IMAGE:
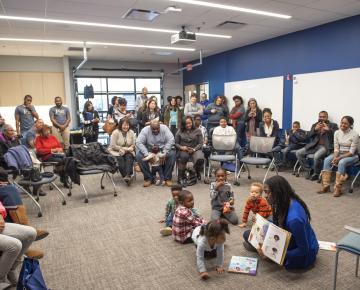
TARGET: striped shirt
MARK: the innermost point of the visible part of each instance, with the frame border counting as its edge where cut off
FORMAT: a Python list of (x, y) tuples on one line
[(259, 205)]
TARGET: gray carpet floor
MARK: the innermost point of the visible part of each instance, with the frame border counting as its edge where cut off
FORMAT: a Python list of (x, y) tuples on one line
[(114, 242)]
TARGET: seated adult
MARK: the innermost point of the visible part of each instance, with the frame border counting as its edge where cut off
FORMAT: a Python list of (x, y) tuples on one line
[(321, 144), (30, 136), (173, 116), (346, 141), (122, 146), (189, 142), (2, 123), (15, 239), (193, 107), (10, 197), (160, 136), (253, 117), (226, 130), (291, 213), (8, 139), (270, 128), (215, 112), (294, 140), (49, 149)]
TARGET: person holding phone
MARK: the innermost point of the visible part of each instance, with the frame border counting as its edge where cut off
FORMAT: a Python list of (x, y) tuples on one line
[(321, 144), (25, 116)]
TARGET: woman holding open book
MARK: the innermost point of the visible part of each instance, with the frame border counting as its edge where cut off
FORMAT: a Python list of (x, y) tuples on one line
[(291, 214)]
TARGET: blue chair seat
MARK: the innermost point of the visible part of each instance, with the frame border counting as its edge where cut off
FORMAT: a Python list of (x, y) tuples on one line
[(351, 242), (44, 180), (256, 160)]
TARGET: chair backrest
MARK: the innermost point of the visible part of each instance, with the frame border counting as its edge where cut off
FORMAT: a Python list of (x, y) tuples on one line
[(224, 142), (261, 144)]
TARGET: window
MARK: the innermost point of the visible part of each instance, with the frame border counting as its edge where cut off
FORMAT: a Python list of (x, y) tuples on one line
[(99, 84), (120, 85), (153, 85)]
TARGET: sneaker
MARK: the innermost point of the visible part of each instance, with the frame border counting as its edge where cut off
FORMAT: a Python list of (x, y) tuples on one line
[(166, 231), (158, 182), (314, 177)]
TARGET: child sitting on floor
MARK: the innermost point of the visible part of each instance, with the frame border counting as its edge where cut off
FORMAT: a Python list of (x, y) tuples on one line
[(255, 203), (209, 240), (222, 198), (170, 209), (185, 221)]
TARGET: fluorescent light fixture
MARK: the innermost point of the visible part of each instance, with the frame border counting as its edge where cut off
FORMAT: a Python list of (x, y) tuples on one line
[(96, 43), (104, 25), (233, 8)]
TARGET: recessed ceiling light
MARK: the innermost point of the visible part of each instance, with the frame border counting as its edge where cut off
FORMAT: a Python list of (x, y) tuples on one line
[(233, 8), (141, 14), (164, 53), (97, 43), (105, 25)]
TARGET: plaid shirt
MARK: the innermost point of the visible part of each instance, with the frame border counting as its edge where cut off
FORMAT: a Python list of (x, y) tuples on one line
[(184, 223)]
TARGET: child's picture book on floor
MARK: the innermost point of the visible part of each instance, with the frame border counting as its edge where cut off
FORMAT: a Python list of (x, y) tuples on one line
[(273, 240), (327, 246), (243, 265)]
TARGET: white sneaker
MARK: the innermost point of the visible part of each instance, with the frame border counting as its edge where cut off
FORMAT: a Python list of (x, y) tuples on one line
[(166, 231)]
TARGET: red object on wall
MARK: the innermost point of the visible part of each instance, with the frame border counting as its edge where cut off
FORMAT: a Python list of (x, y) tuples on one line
[(189, 67), (288, 77)]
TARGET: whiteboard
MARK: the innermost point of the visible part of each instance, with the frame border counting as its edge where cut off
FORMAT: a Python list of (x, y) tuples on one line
[(337, 92), (268, 92)]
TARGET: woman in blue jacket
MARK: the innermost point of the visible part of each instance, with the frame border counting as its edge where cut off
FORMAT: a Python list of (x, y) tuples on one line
[(292, 214)]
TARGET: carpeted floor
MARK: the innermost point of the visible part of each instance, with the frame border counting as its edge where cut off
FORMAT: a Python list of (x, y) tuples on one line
[(114, 242)]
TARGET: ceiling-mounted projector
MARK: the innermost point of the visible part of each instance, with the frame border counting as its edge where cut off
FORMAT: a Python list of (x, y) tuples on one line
[(183, 37)]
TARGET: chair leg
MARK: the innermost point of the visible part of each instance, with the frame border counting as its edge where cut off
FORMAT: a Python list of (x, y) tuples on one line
[(59, 190), (298, 172), (353, 182), (31, 197), (113, 183), (335, 269), (86, 193), (101, 182), (275, 167), (241, 167), (295, 166), (267, 171), (357, 266)]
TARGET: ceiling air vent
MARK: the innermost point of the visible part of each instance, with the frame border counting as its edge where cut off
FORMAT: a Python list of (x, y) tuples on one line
[(140, 14), (72, 48), (230, 25)]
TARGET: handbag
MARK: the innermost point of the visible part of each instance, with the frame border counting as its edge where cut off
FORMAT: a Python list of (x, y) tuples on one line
[(109, 126), (30, 277), (31, 174), (88, 131)]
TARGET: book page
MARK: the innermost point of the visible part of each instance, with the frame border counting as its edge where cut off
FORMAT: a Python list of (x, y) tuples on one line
[(275, 243), (328, 246), (258, 231)]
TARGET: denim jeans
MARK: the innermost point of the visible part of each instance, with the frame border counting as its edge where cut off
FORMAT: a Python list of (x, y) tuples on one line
[(319, 152), (167, 167), (343, 163)]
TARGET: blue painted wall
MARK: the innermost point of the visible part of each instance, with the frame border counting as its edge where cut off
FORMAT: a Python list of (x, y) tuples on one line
[(330, 46)]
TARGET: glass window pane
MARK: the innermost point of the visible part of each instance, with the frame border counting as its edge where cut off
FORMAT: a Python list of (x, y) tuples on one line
[(100, 102), (153, 85), (120, 85), (99, 84), (130, 98)]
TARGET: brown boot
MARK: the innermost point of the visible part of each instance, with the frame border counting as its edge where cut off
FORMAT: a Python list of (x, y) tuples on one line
[(19, 216), (325, 182), (340, 180), (34, 254)]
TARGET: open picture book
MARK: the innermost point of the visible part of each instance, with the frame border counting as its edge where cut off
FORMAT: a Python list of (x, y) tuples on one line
[(273, 240)]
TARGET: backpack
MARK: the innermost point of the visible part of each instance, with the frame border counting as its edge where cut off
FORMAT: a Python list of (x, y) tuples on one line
[(190, 177), (88, 92)]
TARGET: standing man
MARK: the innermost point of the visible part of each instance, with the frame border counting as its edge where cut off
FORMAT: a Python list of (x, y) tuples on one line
[(204, 102), (142, 99), (60, 118), (25, 115), (321, 144)]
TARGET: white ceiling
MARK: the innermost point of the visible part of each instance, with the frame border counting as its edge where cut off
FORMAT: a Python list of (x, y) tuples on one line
[(305, 14)]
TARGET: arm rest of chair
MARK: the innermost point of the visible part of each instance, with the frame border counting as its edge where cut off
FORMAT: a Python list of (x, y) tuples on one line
[(352, 229)]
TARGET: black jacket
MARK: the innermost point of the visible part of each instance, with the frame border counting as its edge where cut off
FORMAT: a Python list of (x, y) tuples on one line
[(315, 137), (275, 132), (258, 118)]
